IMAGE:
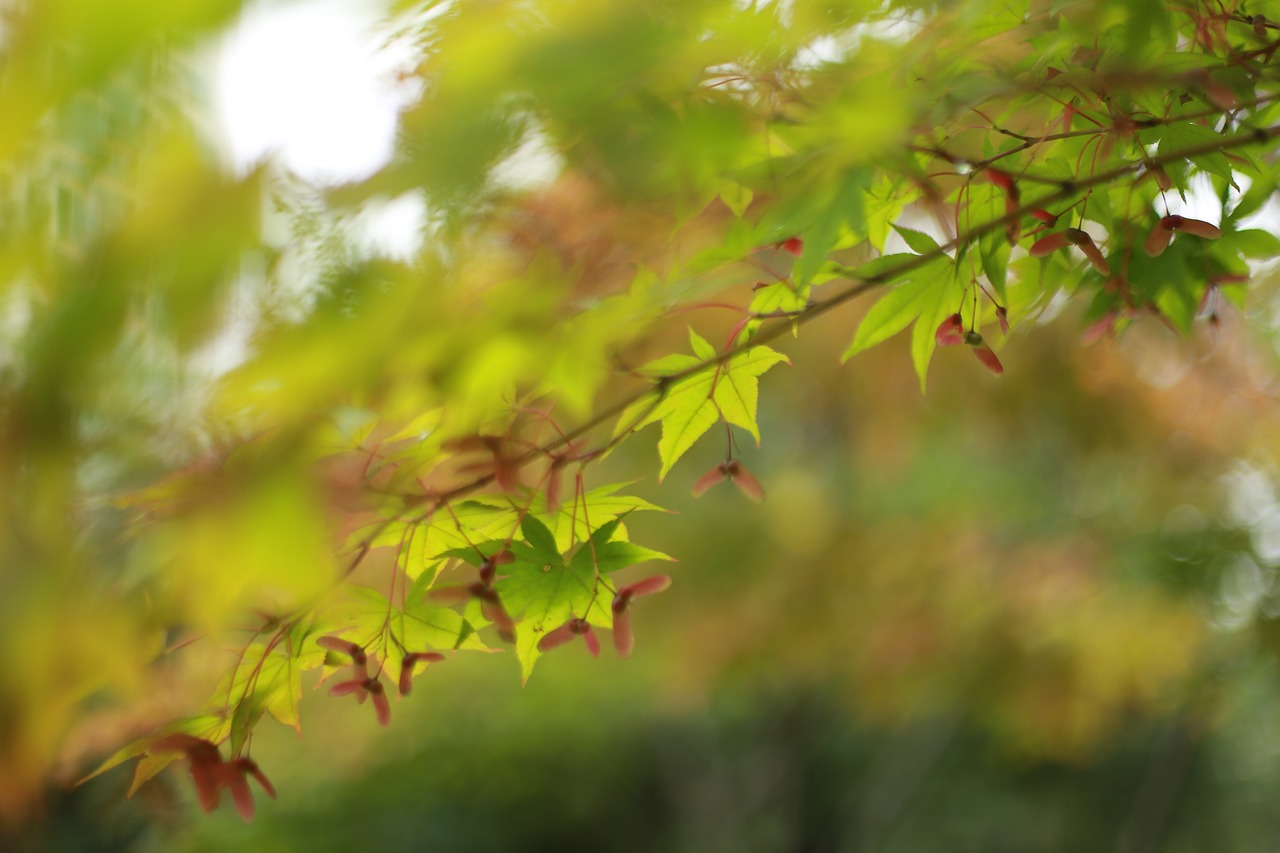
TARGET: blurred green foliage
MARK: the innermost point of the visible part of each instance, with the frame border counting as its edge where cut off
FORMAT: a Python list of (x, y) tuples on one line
[(1039, 613)]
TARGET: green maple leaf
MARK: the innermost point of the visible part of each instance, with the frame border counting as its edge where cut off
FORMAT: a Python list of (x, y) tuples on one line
[(692, 405), (927, 297), (542, 592), (606, 554), (570, 522)]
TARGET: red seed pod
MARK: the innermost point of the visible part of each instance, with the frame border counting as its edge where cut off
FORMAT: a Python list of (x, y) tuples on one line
[(553, 485), (557, 637), (346, 647), (451, 593), (744, 480), (713, 477), (410, 662), (1048, 245), (1014, 232), (1002, 317), (1200, 228), (1044, 216), (205, 766), (491, 608), (358, 686), (380, 703), (211, 774), (593, 644), (1084, 243), (566, 632), (240, 794), (406, 678), (734, 471), (648, 586), (624, 640), (984, 353), (1161, 177), (1001, 179), (1104, 327), (1260, 26), (794, 245), (951, 332), (1220, 95), (1159, 238), (250, 766)]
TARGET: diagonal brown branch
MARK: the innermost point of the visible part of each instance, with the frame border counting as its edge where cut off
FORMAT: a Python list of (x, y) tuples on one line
[(1065, 190)]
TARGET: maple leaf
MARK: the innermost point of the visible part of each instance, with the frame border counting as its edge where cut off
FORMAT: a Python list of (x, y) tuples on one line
[(692, 405)]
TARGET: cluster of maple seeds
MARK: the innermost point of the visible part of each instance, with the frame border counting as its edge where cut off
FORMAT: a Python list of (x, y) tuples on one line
[(952, 332), (1157, 241), (211, 773), (623, 639), (483, 591), (491, 608), (365, 686)]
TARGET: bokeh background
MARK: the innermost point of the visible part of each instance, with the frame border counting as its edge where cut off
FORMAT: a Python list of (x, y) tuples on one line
[(1033, 613)]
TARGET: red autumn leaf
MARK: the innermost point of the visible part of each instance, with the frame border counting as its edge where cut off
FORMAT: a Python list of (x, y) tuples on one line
[(744, 480), (951, 332)]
